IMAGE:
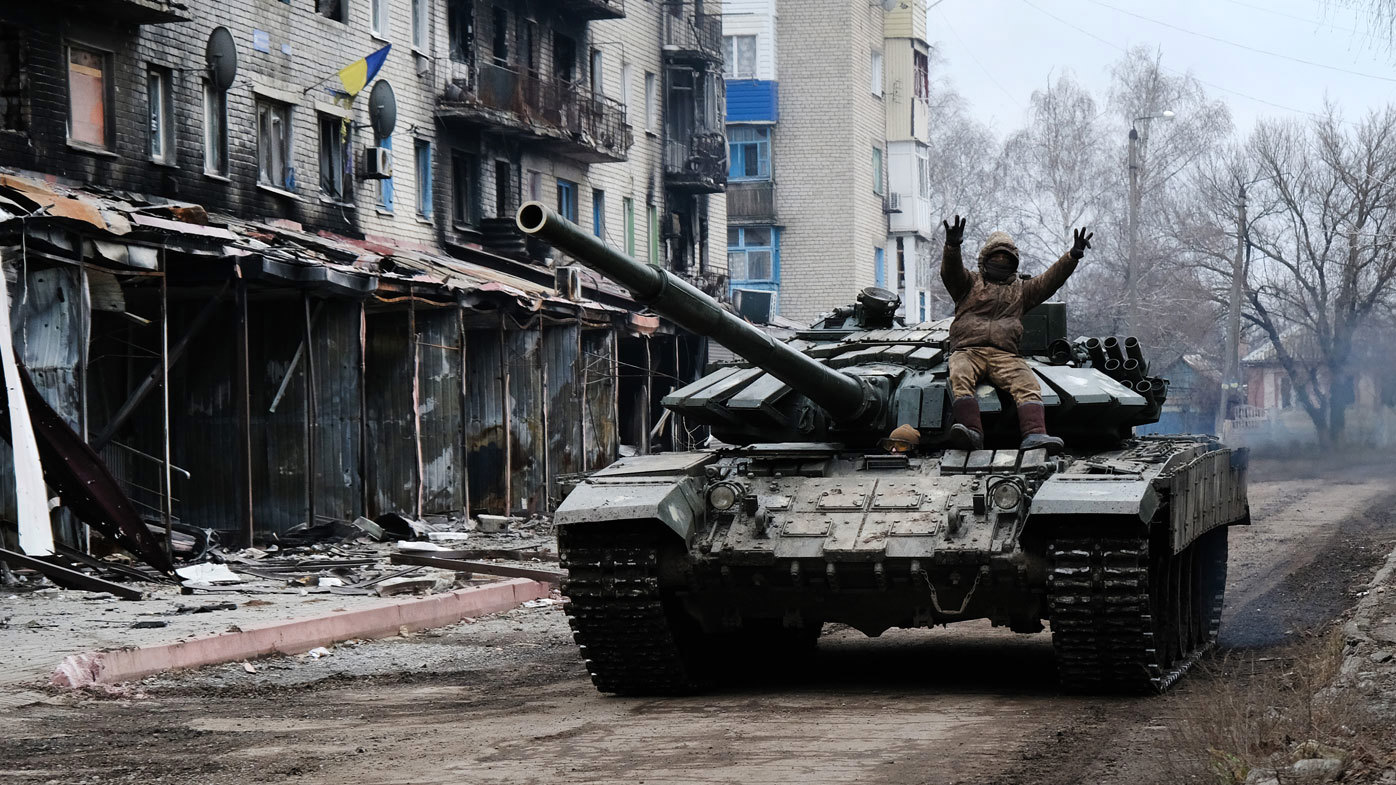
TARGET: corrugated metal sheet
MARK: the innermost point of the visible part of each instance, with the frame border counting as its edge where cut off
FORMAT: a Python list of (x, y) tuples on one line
[(562, 364), (486, 472), (527, 439), (439, 405), (279, 498), (391, 463), (600, 413), (207, 436), (752, 101), (338, 489)]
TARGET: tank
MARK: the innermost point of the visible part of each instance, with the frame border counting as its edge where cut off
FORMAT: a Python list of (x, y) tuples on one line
[(798, 517)]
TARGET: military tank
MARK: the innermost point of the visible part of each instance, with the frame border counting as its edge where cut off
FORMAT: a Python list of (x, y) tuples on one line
[(800, 518)]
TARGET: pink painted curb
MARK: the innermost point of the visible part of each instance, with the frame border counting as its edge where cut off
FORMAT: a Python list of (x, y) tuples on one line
[(293, 637)]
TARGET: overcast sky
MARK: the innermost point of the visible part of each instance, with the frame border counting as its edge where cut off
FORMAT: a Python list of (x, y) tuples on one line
[(998, 51)]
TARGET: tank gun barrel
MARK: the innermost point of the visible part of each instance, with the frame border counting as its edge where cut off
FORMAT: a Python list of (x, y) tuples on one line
[(845, 397)]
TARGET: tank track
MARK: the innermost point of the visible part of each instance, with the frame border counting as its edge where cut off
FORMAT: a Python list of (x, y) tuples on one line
[(619, 619), (1123, 621)]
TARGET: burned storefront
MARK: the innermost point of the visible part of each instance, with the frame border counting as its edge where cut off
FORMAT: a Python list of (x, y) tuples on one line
[(248, 378)]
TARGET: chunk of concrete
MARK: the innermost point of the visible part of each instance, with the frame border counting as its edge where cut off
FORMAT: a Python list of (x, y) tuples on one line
[(1317, 769)]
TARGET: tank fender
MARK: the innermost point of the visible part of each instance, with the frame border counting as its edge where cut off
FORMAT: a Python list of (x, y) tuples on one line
[(677, 501), (1095, 494)]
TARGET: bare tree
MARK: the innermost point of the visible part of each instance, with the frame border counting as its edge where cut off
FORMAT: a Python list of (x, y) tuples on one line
[(1322, 263)]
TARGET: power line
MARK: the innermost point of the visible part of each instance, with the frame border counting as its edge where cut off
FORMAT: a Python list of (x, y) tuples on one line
[(1212, 85), (1219, 40), (970, 51), (1305, 20)]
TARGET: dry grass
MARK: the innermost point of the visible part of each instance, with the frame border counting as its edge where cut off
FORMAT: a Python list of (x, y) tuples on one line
[(1261, 711)]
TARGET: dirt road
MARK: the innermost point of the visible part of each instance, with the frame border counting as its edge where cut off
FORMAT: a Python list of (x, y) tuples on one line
[(506, 700)]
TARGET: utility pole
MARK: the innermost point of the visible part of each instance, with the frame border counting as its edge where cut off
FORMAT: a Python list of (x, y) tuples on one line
[(1230, 380), (1131, 292)]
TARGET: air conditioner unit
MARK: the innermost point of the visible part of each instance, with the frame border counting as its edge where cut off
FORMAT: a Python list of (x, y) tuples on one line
[(378, 163), (568, 282), (756, 305)]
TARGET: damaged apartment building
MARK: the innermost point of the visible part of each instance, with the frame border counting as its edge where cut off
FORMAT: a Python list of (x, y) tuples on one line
[(261, 254)]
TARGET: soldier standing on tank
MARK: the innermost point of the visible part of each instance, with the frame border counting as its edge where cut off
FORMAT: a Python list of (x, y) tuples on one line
[(984, 336)]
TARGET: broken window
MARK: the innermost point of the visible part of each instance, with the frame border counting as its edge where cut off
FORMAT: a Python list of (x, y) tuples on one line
[(528, 46), (922, 65), (501, 36), (338, 10), (740, 62), (88, 82), (463, 189), (460, 22), (274, 144), (334, 160), (503, 187), (215, 130), (564, 58), (14, 79), (159, 112)]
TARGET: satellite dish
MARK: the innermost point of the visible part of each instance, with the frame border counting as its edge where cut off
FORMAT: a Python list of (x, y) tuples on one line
[(221, 55), (382, 108)]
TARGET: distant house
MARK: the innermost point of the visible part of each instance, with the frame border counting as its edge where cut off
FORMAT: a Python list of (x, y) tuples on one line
[(1194, 386)]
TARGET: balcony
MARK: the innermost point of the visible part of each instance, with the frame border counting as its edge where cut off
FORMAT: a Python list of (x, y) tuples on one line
[(691, 37), (909, 214), (560, 116), (751, 202), (594, 9), (698, 164), (140, 12)]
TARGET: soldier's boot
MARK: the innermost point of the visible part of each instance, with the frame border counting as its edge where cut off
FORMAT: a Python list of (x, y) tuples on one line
[(1032, 422), (968, 431)]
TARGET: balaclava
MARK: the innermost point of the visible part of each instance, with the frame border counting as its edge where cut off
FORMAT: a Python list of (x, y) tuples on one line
[(998, 259)]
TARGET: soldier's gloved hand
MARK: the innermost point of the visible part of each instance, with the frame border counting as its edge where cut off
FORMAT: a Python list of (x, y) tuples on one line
[(954, 232), (1081, 243)]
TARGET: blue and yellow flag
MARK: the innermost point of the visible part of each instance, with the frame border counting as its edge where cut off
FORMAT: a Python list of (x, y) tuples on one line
[(360, 72)]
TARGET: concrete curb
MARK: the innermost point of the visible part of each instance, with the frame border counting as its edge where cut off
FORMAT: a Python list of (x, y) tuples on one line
[(297, 636)]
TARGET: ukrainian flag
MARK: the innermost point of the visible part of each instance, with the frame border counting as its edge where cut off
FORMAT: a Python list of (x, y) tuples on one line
[(360, 72)]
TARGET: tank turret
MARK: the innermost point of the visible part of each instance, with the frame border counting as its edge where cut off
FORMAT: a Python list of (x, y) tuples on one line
[(857, 373)]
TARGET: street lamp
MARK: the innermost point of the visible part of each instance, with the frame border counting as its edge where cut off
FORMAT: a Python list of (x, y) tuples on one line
[(1131, 292)]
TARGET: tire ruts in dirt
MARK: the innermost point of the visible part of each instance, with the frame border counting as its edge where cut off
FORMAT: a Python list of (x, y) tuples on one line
[(1125, 622), (619, 620)]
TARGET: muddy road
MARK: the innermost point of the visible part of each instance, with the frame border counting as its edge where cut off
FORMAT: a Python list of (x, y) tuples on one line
[(506, 699)]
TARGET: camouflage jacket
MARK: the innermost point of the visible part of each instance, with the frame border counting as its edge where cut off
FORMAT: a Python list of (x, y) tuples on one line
[(990, 314)]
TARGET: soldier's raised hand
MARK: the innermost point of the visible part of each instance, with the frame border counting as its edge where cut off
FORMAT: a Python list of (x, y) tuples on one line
[(954, 232), (1081, 242)]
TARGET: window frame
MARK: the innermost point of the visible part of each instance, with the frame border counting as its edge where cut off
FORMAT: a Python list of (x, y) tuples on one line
[(164, 115), (653, 246), (386, 188), (107, 89), (880, 267), (651, 102), (286, 183), (627, 211), (339, 12), (379, 18), (598, 213), (19, 99), (771, 248), (421, 148), (421, 25), (215, 139), (465, 208), (499, 26), (738, 153), (878, 164), (335, 155), (732, 56), (567, 200), (877, 68)]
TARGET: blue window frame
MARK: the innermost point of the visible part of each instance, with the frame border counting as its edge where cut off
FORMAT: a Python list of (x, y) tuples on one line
[(749, 152), (753, 261), (423, 155), (598, 213), (880, 267), (567, 199)]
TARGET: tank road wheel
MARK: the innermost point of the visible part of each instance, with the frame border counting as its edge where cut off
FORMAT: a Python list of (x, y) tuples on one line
[(1130, 616), (633, 639)]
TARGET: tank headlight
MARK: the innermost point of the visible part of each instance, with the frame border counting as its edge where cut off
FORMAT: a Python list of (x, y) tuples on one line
[(723, 496), (1006, 495)]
